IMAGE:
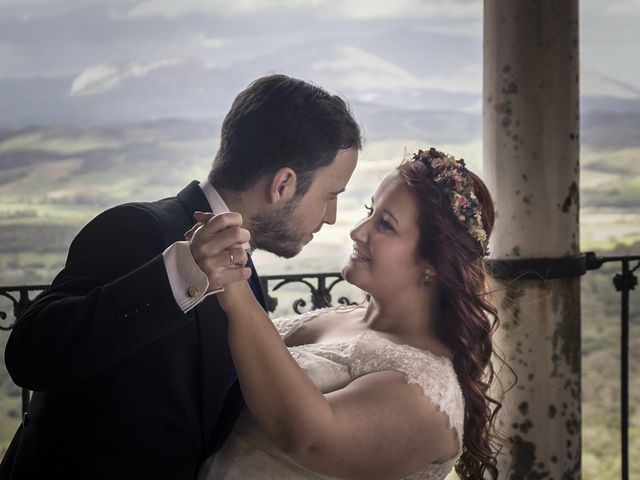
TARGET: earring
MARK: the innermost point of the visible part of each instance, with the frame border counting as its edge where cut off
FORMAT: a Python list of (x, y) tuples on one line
[(427, 277)]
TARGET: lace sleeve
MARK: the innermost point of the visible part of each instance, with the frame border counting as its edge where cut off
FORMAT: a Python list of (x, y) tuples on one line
[(434, 374), (443, 390)]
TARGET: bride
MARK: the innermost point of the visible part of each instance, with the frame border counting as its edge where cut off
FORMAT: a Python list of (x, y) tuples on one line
[(395, 388)]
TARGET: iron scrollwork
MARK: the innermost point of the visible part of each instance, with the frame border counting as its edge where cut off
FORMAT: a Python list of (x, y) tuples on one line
[(19, 297), (320, 293)]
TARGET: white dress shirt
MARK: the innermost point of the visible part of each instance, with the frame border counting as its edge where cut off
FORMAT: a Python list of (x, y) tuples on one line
[(188, 282)]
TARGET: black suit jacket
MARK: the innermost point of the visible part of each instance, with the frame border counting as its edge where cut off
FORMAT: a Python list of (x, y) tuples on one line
[(125, 384)]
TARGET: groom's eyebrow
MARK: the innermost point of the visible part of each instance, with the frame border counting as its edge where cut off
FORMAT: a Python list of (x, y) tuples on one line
[(337, 193)]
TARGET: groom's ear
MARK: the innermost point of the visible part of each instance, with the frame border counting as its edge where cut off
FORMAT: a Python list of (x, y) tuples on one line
[(283, 186)]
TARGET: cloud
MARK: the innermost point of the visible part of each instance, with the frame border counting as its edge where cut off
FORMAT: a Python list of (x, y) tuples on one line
[(357, 69), (211, 42), (171, 9), (361, 70), (33, 9), (11, 55), (623, 7), (598, 84), (106, 77), (353, 9), (373, 10)]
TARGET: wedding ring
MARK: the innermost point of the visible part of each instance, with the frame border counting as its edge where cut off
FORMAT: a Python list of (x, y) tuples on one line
[(230, 258)]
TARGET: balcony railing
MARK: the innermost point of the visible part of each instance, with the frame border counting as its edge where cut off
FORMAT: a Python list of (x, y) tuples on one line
[(624, 282), (320, 287)]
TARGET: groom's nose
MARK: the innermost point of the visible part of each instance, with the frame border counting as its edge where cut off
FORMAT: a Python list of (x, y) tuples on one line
[(330, 213)]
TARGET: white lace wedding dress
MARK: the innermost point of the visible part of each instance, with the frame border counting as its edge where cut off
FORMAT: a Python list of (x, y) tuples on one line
[(248, 455)]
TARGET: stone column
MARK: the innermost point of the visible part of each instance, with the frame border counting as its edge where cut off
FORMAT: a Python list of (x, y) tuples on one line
[(531, 163)]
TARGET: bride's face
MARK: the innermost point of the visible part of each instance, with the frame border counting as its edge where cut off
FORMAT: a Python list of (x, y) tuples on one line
[(385, 243)]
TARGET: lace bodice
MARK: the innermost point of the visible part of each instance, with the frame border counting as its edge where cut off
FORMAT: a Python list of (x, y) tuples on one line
[(247, 454)]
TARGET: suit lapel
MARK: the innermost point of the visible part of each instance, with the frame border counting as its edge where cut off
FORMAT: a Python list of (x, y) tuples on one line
[(193, 198)]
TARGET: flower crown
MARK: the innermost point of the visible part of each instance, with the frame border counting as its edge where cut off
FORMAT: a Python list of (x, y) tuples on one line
[(453, 180)]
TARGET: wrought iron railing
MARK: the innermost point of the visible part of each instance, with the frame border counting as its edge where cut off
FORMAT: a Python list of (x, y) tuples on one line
[(21, 297), (572, 267), (624, 283), (319, 285)]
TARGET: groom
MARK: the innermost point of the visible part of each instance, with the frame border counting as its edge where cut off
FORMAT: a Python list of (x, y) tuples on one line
[(127, 351)]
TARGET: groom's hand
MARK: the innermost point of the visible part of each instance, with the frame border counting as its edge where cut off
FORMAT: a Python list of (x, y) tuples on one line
[(215, 242)]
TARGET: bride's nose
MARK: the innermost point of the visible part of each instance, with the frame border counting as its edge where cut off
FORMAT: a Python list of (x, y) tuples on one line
[(359, 232)]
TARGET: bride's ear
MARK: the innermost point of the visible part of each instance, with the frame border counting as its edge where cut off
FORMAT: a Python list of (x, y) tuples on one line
[(282, 186)]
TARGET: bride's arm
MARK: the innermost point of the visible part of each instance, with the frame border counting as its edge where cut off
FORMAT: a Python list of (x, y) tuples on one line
[(378, 426)]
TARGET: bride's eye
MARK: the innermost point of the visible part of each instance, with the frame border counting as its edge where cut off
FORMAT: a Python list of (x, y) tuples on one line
[(385, 224), (369, 210)]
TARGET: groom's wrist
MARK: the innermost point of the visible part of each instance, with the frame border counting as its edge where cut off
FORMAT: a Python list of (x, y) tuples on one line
[(189, 284)]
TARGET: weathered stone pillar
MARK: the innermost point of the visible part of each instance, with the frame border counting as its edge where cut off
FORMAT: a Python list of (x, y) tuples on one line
[(531, 149)]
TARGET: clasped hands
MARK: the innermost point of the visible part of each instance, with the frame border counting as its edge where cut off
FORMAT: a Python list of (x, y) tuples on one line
[(216, 245)]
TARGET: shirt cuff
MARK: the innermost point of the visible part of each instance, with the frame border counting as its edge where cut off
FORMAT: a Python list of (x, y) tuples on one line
[(189, 284)]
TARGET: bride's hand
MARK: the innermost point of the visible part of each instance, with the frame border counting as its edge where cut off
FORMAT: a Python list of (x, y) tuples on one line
[(235, 295)]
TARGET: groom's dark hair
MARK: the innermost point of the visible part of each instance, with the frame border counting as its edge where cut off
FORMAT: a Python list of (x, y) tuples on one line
[(279, 121)]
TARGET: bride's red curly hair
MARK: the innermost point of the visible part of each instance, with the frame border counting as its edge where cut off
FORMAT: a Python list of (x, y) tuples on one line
[(467, 318)]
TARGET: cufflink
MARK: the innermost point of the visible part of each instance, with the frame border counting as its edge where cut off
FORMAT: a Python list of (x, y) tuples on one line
[(192, 291)]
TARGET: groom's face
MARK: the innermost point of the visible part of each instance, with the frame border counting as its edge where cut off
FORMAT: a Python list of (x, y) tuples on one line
[(285, 232)]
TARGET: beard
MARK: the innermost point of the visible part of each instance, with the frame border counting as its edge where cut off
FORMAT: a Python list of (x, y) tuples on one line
[(278, 232)]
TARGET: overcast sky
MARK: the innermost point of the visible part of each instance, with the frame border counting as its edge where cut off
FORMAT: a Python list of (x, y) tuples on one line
[(100, 45)]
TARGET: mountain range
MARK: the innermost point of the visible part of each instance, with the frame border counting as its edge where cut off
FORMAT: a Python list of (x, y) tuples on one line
[(412, 72)]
